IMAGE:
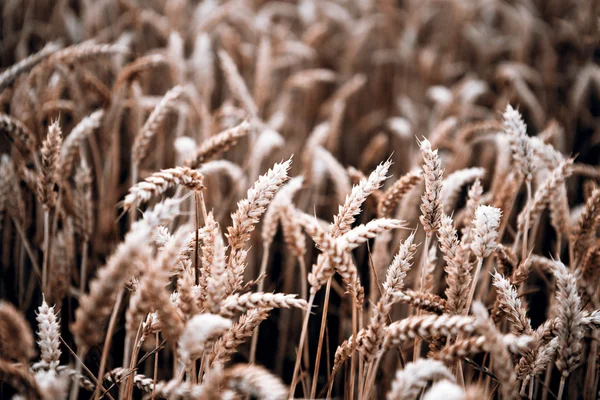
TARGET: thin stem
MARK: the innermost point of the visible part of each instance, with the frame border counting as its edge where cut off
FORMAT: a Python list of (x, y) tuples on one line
[(134, 179), (531, 387), (561, 388), (547, 380), (313, 390), (361, 362), (197, 244), (473, 285), (371, 374), (46, 251), (261, 286), (303, 278), (81, 352), (137, 344), (525, 243), (353, 360), (200, 195), (109, 334), (558, 248), (155, 375), (301, 345), (422, 268), (28, 248), (84, 262)]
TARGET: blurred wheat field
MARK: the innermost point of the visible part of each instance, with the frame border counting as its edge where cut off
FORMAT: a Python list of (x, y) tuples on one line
[(349, 199)]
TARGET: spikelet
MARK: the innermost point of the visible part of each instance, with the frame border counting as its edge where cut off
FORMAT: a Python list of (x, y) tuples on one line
[(9, 183), (96, 306), (374, 334), (8, 76), (152, 124), (217, 280), (415, 377), (259, 300), (251, 209), (370, 230), (427, 326), (152, 293), (255, 381), (19, 134), (334, 169), (422, 300), (262, 76), (501, 360), (159, 182), (454, 182), (485, 231), (543, 194), (461, 349), (587, 224), (569, 329), (396, 273), (292, 231), (281, 201), (428, 271), (235, 270), (237, 335), (523, 154), (198, 333), (546, 346), (342, 222), (431, 207), (236, 84), (48, 335), (218, 144), (20, 378), (49, 174), (334, 258), (136, 67), (346, 349), (16, 338), (52, 384), (84, 51), (445, 390), (187, 302), (458, 268), (473, 201), (82, 202), (75, 139), (511, 305), (267, 142)]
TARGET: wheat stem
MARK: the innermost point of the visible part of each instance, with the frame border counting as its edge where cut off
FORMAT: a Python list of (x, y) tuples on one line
[(321, 336), (109, 335), (422, 272), (301, 346), (561, 388), (81, 352), (84, 262), (353, 360), (473, 284), (261, 286), (46, 252)]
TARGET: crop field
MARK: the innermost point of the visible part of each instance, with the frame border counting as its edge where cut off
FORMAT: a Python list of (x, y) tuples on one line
[(311, 199)]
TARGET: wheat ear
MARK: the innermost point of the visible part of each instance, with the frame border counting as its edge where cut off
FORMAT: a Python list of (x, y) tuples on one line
[(16, 338), (152, 124), (415, 377), (218, 144), (159, 182)]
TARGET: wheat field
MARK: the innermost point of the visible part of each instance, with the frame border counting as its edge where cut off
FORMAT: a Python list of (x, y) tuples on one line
[(345, 199)]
